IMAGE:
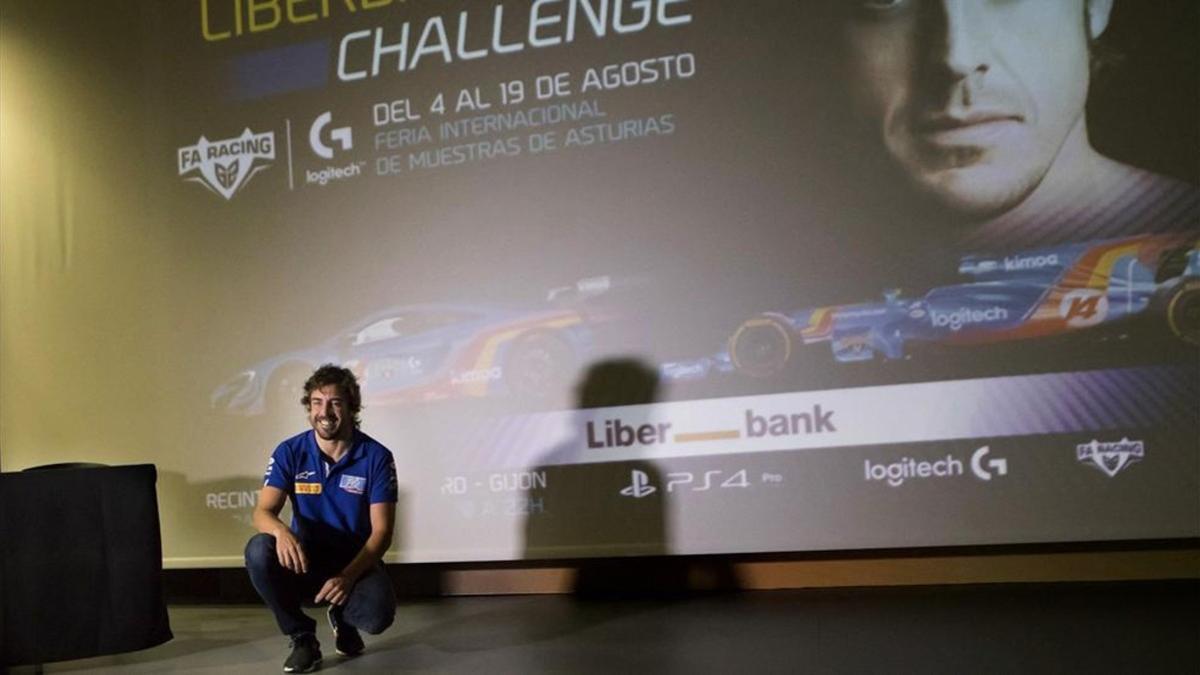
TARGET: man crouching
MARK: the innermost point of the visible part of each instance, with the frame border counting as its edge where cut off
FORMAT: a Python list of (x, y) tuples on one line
[(342, 484)]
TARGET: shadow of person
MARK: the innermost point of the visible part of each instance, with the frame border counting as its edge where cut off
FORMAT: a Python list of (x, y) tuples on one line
[(611, 517)]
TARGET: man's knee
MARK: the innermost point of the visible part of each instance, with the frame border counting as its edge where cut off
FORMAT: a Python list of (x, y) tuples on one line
[(376, 603), (377, 621), (260, 551)]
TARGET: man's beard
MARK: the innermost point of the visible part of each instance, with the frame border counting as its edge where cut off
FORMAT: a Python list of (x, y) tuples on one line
[(328, 431)]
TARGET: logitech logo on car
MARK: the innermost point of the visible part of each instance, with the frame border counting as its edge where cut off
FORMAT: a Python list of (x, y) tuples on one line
[(1018, 263), (681, 370), (477, 375), (395, 367), (964, 316)]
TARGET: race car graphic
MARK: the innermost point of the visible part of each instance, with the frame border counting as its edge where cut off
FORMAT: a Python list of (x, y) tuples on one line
[(431, 352), (1039, 293)]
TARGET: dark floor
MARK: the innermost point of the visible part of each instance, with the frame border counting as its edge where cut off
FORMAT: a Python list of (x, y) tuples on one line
[(1075, 628)]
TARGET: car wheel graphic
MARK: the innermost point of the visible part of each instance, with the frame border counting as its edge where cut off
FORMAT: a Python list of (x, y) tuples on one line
[(762, 346), (538, 366), (1183, 311)]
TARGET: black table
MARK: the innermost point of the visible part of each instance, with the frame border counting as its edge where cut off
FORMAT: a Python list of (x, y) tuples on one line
[(82, 565)]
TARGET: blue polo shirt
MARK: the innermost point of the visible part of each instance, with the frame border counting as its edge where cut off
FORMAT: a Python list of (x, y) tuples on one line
[(333, 501)]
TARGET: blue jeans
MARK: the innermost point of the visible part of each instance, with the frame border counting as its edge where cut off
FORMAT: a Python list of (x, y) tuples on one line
[(371, 606)]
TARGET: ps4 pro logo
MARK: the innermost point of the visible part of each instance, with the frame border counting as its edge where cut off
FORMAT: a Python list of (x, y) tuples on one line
[(641, 486)]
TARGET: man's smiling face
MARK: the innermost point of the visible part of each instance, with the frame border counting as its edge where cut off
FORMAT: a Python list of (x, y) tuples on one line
[(328, 413)]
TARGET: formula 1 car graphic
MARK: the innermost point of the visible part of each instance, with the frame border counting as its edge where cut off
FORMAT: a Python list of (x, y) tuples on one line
[(1038, 293), (432, 352)]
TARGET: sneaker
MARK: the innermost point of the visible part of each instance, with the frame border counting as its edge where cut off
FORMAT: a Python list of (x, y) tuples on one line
[(346, 639), (306, 654)]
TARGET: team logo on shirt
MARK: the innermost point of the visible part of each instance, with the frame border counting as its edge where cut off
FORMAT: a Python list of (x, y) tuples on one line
[(308, 488), (355, 485)]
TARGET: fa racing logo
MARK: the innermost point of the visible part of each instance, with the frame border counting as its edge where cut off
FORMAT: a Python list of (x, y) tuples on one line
[(1111, 457), (225, 166)]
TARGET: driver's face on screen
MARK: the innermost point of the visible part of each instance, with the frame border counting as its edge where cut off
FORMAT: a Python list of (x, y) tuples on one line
[(973, 99)]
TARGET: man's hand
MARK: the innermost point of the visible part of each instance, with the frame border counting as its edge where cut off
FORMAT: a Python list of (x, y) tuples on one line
[(336, 590), (290, 553)]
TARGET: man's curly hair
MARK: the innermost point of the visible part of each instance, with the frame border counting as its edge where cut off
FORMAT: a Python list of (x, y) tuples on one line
[(344, 379)]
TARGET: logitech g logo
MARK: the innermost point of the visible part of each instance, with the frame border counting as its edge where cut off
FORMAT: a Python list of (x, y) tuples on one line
[(639, 485), (341, 136), (997, 467)]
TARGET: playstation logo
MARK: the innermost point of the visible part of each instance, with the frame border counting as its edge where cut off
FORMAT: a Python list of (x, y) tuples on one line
[(997, 467), (639, 485), (341, 136)]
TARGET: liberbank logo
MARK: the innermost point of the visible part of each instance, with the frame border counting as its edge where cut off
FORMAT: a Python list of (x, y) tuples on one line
[(225, 166)]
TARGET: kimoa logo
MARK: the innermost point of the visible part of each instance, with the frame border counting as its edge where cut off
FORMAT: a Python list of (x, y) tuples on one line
[(1016, 263), (225, 166)]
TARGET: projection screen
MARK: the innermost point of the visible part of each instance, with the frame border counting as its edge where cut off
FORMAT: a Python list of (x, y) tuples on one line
[(642, 277)]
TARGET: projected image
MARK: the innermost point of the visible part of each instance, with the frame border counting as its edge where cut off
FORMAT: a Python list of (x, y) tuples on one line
[(427, 353), (1051, 292), (974, 119), (433, 352), (855, 274)]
